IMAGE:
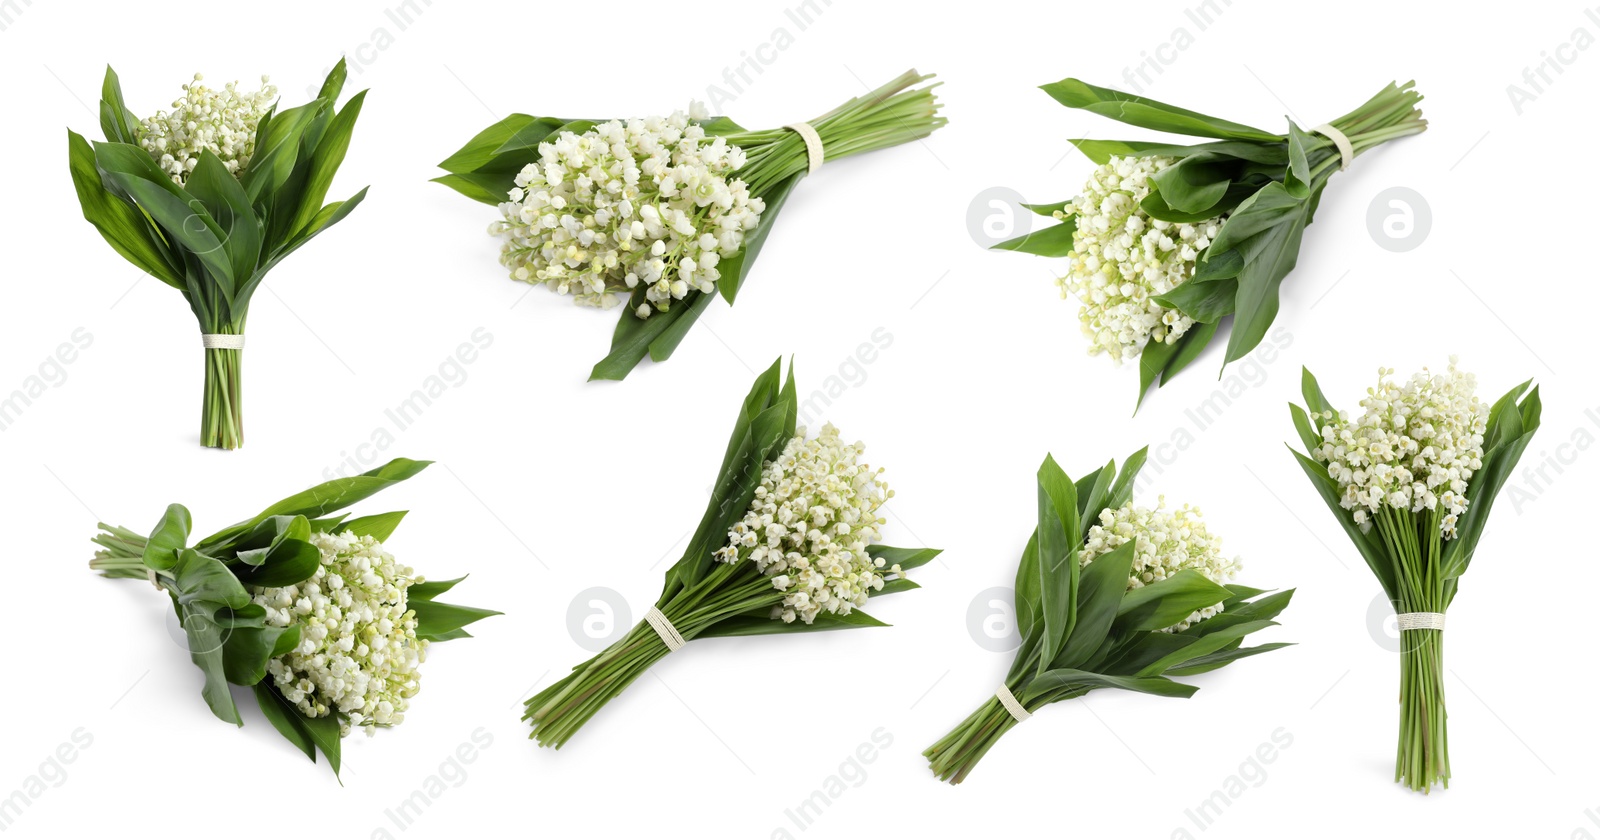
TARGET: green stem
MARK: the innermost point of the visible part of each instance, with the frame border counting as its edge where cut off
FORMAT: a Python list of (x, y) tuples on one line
[(559, 711), (221, 411)]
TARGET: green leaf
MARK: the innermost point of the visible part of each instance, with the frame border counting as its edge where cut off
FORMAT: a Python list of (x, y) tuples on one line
[(1101, 585), (284, 718), (325, 161), (1058, 541), (1102, 151), (1052, 241), (170, 536), (202, 579), (429, 590), (324, 732), (1368, 544), (1194, 185), (1266, 230), (333, 83), (1297, 181), (484, 187), (735, 268), (1027, 600), (1204, 646), (761, 624), (285, 564), (1212, 662), (131, 172), (484, 146), (1122, 488), (1061, 678), (1190, 346), (118, 123), (120, 222), (378, 526), (247, 650), (278, 149), (225, 201), (325, 498), (905, 558), (1148, 113), (435, 619), (1166, 602)]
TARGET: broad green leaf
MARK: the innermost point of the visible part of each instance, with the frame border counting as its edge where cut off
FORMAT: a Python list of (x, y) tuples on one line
[(121, 223), (905, 558), (1149, 113), (1205, 645), (118, 123), (285, 719), (325, 162), (484, 146), (199, 579), (1052, 241), (1195, 184), (285, 564), (435, 619), (761, 624), (225, 201), (247, 650), (131, 172), (735, 268), (170, 536), (324, 732), (1062, 678), (1101, 585), (378, 526), (1213, 661), (1372, 550), (1266, 230), (429, 590), (1058, 540), (326, 498), (1166, 602)]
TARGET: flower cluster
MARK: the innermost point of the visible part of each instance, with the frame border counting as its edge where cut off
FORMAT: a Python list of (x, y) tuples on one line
[(358, 651), (808, 528), (1121, 259), (222, 122), (1414, 448), (1165, 542), (647, 201)]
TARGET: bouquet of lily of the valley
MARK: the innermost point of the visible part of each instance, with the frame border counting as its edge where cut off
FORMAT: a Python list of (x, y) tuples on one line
[(208, 197), (788, 544), (1111, 595), (1412, 481), (663, 212), (302, 604), (1167, 240)]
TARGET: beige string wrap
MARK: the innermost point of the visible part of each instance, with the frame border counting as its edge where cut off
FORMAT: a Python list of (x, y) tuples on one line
[(1346, 151), (1009, 700), (813, 144), (669, 634), (1421, 621), (215, 341)]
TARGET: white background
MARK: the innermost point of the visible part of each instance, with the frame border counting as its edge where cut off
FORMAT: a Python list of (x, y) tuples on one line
[(547, 486)]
